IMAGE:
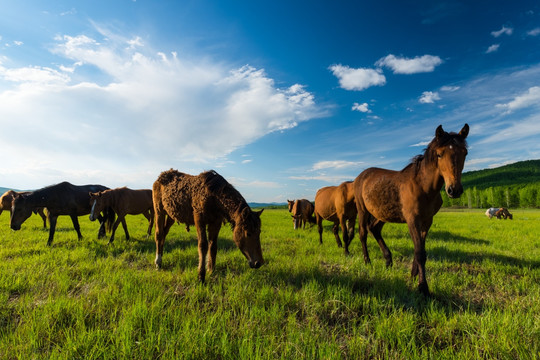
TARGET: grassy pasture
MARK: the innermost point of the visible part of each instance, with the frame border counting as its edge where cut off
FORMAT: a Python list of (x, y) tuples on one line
[(87, 300)]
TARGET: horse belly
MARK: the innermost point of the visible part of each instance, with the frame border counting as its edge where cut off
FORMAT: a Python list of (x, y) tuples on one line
[(383, 201)]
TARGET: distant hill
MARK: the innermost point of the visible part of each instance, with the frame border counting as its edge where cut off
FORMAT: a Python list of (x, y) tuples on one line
[(519, 173), (267, 205), (3, 190)]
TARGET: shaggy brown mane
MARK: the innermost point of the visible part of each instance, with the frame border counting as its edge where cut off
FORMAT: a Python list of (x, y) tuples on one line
[(430, 155)]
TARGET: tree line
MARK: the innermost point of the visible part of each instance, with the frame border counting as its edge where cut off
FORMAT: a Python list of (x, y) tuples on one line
[(513, 196)]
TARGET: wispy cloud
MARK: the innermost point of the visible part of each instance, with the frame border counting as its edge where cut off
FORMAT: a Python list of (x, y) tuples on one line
[(357, 79), (493, 48), (336, 164), (364, 107), (429, 97), (534, 32), (504, 30), (401, 65), (527, 99)]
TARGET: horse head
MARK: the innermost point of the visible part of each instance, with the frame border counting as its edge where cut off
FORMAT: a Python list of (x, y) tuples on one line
[(290, 203), (96, 203), (247, 236), (450, 150), (20, 211)]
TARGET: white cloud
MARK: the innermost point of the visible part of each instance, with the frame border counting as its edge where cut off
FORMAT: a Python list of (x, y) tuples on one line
[(419, 64), (116, 108), (493, 48), (18, 43), (429, 97), (504, 30), (534, 32), (361, 107), (450, 88), (336, 164), (527, 99), (357, 79)]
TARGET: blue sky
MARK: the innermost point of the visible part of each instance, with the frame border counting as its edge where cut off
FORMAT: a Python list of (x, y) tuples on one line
[(281, 98)]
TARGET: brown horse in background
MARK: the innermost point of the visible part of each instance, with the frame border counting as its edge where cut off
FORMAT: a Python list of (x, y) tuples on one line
[(124, 202), (59, 199), (411, 195), (205, 200), (302, 212), (290, 204), (6, 201), (503, 213), (336, 204)]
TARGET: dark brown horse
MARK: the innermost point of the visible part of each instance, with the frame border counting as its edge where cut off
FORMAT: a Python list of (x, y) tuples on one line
[(503, 213), (123, 201), (6, 201), (59, 199), (205, 201), (336, 204), (302, 212), (411, 195)]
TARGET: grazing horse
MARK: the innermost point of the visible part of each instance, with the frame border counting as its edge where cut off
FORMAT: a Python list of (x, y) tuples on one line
[(6, 201), (290, 204), (503, 213), (336, 204), (411, 195), (59, 199), (302, 212), (123, 201), (205, 200)]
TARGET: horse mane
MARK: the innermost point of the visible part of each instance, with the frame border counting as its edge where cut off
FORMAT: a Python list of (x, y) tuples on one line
[(221, 188), (430, 154)]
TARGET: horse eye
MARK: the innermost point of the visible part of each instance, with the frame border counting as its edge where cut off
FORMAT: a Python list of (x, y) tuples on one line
[(439, 155)]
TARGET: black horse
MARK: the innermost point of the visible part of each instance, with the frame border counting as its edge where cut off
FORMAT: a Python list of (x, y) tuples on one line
[(60, 199)]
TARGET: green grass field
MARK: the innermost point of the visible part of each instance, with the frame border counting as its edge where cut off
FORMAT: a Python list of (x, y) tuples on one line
[(89, 300)]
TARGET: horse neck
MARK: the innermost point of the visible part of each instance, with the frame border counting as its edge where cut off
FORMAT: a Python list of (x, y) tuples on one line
[(37, 198), (233, 203), (429, 177)]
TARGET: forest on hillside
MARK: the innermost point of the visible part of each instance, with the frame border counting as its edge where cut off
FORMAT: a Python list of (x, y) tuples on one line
[(513, 186)]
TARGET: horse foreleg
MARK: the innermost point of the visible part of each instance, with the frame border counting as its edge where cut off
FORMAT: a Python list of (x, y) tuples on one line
[(75, 221), (213, 232), (202, 246), (43, 217), (375, 228), (161, 233), (418, 234), (52, 224)]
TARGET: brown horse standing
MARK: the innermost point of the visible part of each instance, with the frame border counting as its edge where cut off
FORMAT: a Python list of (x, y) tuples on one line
[(302, 212), (124, 202), (6, 201), (205, 201), (336, 204), (290, 204), (411, 195)]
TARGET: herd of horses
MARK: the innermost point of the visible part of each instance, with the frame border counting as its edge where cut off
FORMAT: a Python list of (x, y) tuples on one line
[(206, 201)]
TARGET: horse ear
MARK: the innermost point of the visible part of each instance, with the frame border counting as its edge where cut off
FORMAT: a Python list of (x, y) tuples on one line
[(439, 132), (465, 131), (258, 213)]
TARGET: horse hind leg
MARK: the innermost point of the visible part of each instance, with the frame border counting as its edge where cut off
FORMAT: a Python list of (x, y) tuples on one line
[(335, 230), (375, 229)]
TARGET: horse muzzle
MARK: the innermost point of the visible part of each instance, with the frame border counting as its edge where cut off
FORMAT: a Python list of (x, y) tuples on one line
[(15, 227), (255, 264), (454, 191)]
